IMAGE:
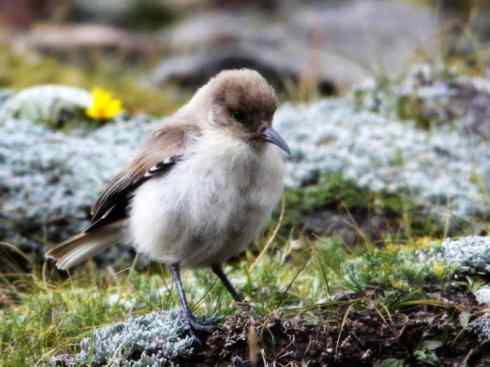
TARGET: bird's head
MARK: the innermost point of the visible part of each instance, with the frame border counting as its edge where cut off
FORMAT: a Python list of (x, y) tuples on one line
[(242, 103)]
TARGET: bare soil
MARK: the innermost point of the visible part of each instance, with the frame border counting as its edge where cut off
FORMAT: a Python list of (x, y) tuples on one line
[(419, 335)]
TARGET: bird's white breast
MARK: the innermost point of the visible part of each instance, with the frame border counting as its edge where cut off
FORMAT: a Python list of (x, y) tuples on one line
[(210, 206)]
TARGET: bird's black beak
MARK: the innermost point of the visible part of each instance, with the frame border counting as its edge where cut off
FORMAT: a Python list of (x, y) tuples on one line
[(272, 136)]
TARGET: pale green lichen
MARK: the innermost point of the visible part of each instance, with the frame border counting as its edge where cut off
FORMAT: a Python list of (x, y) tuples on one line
[(467, 254), (49, 104), (149, 340), (438, 168)]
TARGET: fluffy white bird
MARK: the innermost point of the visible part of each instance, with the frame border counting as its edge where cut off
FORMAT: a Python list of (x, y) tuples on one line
[(201, 188)]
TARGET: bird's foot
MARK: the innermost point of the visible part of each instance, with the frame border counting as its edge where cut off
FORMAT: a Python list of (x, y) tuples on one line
[(201, 326), (199, 329)]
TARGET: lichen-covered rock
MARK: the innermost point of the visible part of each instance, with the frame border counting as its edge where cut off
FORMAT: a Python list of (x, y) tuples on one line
[(470, 254), (482, 295), (442, 170), (49, 180), (466, 254), (481, 326), (4, 95), (46, 103), (432, 96), (149, 340)]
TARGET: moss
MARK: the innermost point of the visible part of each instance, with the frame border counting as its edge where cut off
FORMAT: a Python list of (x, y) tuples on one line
[(411, 108), (396, 268), (329, 191), (332, 192)]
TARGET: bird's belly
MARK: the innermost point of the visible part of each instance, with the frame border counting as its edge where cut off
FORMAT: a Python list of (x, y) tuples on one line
[(236, 232), (201, 222)]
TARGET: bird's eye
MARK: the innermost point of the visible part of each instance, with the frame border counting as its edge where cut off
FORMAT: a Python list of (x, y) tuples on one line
[(239, 116)]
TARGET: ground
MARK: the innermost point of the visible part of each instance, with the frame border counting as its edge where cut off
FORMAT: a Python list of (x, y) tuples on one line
[(320, 306)]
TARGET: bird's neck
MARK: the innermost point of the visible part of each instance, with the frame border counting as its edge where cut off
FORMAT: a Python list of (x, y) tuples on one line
[(219, 145)]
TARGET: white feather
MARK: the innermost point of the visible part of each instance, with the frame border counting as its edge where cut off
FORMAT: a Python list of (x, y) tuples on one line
[(211, 205)]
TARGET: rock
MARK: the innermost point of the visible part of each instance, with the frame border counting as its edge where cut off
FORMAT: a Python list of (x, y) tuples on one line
[(46, 103), (333, 224), (435, 169), (133, 14), (154, 339), (349, 228), (482, 295), (199, 49), (381, 35), (481, 326), (4, 95), (49, 180), (466, 255), (334, 45), (433, 96), (199, 31), (76, 42), (276, 65)]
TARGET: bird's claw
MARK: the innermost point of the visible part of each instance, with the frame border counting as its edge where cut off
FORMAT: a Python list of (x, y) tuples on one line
[(198, 329), (205, 327)]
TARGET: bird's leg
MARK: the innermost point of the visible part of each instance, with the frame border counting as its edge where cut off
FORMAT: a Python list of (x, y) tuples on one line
[(194, 324), (218, 270)]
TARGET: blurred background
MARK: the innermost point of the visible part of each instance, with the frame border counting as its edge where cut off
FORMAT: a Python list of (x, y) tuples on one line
[(159, 48)]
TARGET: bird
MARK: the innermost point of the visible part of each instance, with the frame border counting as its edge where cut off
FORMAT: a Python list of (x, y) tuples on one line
[(199, 190)]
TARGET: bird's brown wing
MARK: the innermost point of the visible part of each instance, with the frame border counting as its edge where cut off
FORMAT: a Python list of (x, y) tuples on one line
[(161, 152)]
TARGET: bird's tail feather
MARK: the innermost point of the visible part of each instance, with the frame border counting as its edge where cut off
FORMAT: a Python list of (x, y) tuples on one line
[(83, 246)]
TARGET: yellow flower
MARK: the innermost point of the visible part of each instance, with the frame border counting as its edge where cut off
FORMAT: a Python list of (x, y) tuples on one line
[(104, 106), (438, 268), (398, 284)]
